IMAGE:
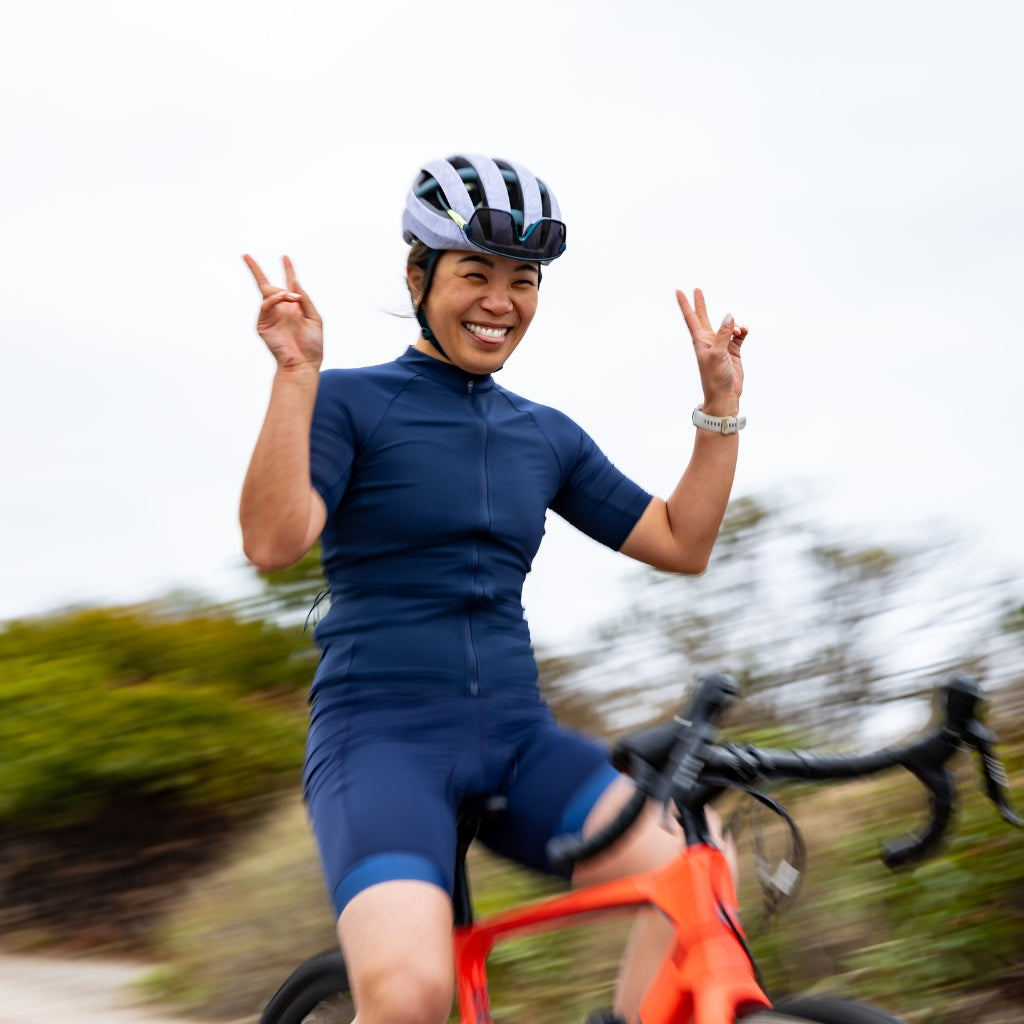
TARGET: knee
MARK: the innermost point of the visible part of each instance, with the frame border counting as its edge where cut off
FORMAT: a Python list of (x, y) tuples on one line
[(405, 994)]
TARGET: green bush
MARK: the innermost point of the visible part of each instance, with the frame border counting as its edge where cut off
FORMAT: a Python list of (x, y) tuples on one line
[(202, 645), (199, 710)]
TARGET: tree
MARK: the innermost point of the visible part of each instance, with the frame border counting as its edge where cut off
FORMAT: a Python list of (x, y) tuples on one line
[(814, 625)]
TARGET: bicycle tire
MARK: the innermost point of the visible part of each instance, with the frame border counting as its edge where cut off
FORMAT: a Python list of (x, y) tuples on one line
[(316, 992), (820, 1010)]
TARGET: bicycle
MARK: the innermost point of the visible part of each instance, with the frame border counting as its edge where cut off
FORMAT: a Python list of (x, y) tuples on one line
[(709, 976)]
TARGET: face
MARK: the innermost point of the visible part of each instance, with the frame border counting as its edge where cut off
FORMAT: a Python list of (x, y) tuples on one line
[(479, 307)]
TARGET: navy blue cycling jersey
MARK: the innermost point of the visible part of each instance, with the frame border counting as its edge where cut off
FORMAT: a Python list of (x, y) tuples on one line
[(436, 484)]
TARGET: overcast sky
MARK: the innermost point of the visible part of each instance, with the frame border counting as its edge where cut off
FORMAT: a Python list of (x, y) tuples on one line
[(845, 179)]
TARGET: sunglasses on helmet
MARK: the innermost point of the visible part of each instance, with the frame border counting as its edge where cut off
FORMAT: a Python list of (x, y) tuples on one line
[(498, 231)]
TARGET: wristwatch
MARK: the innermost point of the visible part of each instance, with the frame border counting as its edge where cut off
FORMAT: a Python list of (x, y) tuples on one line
[(717, 424)]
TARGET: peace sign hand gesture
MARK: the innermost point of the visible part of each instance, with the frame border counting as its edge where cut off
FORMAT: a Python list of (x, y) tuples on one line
[(718, 355), (288, 322)]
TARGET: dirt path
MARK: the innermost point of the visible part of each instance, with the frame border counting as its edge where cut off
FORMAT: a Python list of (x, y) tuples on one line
[(43, 990)]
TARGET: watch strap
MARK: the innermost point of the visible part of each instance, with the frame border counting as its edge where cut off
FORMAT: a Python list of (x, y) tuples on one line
[(717, 424)]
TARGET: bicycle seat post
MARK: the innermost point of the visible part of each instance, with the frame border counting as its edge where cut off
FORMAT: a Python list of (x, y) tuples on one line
[(470, 818)]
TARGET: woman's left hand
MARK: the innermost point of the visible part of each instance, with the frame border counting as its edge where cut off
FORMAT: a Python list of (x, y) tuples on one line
[(718, 355)]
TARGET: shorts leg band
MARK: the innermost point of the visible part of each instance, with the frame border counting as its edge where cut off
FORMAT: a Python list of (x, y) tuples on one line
[(583, 800), (387, 867)]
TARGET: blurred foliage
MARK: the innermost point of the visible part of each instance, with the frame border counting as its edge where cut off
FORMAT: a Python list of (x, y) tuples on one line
[(293, 593), (1013, 621), (200, 707), (815, 627), (941, 942)]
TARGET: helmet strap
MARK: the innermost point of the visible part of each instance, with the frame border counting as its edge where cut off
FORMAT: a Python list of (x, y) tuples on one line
[(421, 316)]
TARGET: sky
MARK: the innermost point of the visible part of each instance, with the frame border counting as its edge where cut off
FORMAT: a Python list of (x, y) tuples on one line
[(844, 179)]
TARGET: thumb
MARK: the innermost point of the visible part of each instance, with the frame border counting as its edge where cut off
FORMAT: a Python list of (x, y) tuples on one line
[(725, 331)]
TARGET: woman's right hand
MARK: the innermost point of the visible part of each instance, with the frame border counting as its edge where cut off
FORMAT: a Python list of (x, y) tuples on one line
[(288, 322)]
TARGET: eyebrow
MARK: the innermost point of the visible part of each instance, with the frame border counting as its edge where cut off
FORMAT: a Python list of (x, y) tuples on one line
[(473, 257)]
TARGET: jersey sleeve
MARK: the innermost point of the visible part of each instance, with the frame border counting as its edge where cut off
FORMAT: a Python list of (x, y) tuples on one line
[(331, 440), (597, 497)]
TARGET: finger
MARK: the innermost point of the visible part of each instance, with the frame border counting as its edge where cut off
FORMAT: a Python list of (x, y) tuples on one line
[(702, 309), (308, 309), (289, 274), (725, 332), (257, 273), (692, 322), (278, 297)]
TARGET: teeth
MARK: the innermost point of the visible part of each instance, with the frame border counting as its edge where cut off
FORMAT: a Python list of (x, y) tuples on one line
[(496, 333)]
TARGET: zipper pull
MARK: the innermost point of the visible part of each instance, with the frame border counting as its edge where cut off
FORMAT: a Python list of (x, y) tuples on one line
[(469, 386)]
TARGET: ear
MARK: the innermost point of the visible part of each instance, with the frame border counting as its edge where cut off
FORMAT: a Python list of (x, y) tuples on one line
[(414, 278)]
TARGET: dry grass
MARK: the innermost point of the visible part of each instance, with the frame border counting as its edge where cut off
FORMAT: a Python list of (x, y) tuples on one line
[(239, 931)]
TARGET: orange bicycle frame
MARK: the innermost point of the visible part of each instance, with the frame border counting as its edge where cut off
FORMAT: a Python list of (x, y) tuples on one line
[(706, 976)]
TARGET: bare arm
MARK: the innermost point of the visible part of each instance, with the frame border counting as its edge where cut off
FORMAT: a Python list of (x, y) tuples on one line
[(678, 535), (280, 512)]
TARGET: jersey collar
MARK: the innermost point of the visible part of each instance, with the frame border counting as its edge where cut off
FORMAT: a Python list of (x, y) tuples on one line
[(445, 373)]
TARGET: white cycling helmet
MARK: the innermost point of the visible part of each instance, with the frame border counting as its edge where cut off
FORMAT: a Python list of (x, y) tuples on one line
[(474, 203)]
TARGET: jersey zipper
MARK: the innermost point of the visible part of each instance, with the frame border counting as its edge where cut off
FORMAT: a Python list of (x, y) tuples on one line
[(474, 662)]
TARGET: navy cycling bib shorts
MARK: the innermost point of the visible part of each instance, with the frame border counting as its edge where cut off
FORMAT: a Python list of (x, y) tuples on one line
[(387, 771), (437, 484)]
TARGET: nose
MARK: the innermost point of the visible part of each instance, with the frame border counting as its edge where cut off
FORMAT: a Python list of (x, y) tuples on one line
[(498, 298)]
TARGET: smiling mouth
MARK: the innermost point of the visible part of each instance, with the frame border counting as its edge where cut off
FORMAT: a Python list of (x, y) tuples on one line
[(487, 333)]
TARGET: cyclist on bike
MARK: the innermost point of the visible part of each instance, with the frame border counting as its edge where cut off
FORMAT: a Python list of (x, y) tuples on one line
[(428, 484)]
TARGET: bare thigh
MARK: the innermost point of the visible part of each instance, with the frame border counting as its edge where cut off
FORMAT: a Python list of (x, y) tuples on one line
[(652, 842), (397, 941)]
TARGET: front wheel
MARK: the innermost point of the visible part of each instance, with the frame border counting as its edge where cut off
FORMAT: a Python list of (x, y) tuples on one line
[(316, 992), (820, 1011)]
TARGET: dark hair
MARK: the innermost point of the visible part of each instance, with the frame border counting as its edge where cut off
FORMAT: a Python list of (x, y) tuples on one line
[(419, 256)]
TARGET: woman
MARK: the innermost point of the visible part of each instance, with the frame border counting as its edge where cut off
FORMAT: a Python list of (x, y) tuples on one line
[(428, 485)]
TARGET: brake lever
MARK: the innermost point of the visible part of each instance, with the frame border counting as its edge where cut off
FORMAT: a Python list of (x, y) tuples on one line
[(917, 846), (997, 785), (962, 699)]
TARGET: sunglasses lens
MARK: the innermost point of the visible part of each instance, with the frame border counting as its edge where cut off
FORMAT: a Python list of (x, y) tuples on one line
[(494, 228), (498, 232)]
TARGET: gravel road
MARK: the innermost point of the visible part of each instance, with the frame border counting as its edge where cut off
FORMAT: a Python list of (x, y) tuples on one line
[(44, 990)]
